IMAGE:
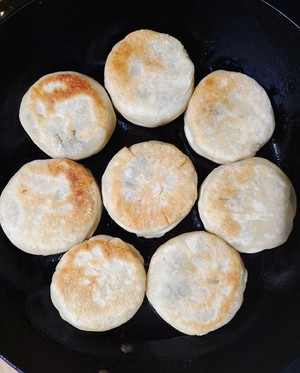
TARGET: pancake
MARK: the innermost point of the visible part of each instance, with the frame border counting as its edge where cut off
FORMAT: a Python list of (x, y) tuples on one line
[(49, 205), (150, 77), (99, 284), (251, 204), (229, 117), (149, 188), (196, 282), (68, 115)]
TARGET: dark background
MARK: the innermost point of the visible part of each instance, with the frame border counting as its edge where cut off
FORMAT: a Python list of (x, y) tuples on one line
[(291, 8)]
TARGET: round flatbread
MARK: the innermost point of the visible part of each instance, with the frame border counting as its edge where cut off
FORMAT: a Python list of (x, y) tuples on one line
[(49, 205), (196, 282), (251, 204), (149, 188), (150, 77), (229, 117), (99, 284), (68, 115)]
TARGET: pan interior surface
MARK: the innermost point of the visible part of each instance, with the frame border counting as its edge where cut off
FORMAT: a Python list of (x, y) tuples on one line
[(239, 35)]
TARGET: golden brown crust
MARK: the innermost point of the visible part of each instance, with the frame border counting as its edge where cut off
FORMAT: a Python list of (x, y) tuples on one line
[(68, 114), (149, 77), (68, 86), (250, 203), (99, 284), (49, 205), (229, 117), (134, 46), (149, 188)]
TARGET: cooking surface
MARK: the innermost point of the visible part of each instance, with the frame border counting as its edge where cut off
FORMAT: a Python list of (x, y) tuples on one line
[(272, 296)]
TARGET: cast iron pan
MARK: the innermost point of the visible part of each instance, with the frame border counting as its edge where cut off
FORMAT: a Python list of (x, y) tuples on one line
[(240, 35)]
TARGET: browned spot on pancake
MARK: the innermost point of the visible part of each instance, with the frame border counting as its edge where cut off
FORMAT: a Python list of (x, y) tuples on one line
[(244, 173), (231, 227), (221, 202), (111, 249), (231, 279), (225, 197), (221, 197), (228, 191), (214, 95), (156, 194), (134, 46), (205, 255), (68, 86), (81, 182), (210, 81), (78, 206), (70, 277)]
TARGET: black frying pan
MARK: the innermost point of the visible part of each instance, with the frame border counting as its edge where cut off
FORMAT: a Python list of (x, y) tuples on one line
[(240, 35)]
